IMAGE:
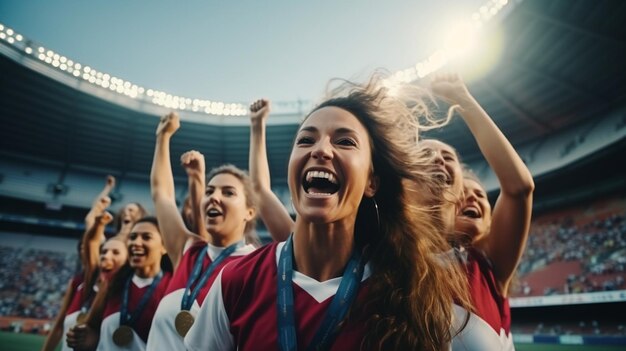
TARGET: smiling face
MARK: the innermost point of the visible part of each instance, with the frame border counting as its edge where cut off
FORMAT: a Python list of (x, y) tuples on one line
[(446, 164), (330, 168), (474, 218), (113, 255), (131, 213), (145, 246), (225, 206)]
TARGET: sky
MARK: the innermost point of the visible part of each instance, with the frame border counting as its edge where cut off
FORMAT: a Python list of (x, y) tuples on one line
[(237, 50)]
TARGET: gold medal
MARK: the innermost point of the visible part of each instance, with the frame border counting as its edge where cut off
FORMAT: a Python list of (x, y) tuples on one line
[(183, 322), (123, 335), (81, 318)]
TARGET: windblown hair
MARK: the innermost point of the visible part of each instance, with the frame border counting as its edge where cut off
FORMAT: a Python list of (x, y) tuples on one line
[(445, 197), (409, 303), (252, 199), (468, 173)]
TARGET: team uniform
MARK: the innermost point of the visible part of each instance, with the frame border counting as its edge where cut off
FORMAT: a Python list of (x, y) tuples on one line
[(163, 334), (79, 303), (141, 328), (489, 327), (240, 311)]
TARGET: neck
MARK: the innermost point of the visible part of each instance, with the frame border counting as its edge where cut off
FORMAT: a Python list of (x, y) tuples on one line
[(322, 251), (224, 241), (148, 271)]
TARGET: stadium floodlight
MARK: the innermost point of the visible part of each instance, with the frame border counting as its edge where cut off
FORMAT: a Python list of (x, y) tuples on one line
[(460, 41)]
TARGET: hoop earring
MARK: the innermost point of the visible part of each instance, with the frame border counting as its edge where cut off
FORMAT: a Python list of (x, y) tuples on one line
[(377, 213)]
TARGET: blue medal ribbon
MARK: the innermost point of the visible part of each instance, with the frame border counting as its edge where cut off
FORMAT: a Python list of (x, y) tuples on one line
[(126, 318), (190, 294), (339, 306)]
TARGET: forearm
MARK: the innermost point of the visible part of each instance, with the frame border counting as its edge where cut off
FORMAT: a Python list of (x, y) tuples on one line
[(161, 178), (53, 338), (196, 191), (258, 161), (514, 177)]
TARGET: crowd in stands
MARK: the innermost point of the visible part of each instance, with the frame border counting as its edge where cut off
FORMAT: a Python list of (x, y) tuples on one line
[(32, 281), (592, 236)]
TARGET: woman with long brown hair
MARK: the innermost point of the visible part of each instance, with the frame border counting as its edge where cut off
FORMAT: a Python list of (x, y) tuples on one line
[(358, 271)]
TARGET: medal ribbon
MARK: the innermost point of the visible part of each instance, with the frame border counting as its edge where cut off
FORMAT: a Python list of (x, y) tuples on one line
[(336, 312), (190, 294), (125, 317)]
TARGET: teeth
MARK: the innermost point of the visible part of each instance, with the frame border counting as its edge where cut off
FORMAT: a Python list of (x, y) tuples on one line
[(320, 174), (137, 252)]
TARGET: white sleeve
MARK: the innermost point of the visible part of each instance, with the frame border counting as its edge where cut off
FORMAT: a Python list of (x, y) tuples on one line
[(211, 329)]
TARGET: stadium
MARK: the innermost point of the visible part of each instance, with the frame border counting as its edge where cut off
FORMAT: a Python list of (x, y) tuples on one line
[(557, 91)]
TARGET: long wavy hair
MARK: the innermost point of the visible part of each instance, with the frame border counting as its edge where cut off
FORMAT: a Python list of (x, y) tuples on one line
[(409, 303), (252, 200)]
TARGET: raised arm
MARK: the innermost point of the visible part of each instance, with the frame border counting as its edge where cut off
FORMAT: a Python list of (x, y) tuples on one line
[(272, 212), (173, 229), (56, 333), (511, 215), (92, 240), (92, 237), (101, 202), (193, 163)]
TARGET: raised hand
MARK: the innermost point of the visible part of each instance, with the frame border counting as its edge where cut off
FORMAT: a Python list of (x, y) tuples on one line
[(105, 218), (450, 87), (259, 110), (169, 124), (193, 163)]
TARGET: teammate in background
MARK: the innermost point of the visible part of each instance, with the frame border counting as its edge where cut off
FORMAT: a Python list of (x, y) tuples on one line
[(123, 309), (126, 218), (491, 242), (113, 256), (272, 211), (79, 293), (226, 208), (356, 236)]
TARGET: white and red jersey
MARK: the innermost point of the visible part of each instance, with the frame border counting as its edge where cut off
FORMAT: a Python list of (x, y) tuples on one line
[(141, 328), (489, 326), (240, 309), (163, 334)]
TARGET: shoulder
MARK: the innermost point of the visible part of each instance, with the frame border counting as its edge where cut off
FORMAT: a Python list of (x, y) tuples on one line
[(250, 268), (263, 257)]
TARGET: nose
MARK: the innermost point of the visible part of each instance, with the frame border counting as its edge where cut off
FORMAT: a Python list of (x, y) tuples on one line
[(439, 158), (214, 198), (322, 150)]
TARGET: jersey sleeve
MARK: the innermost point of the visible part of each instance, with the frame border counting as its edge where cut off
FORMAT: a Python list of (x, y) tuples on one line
[(211, 329)]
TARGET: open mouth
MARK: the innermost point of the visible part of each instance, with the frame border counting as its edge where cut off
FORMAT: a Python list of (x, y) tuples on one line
[(137, 252), (213, 212), (471, 212), (320, 183)]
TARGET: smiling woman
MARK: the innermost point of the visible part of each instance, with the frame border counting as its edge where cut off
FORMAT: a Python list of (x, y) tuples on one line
[(124, 307), (345, 279)]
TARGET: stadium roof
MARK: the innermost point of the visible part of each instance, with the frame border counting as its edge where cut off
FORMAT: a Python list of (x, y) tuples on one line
[(562, 64)]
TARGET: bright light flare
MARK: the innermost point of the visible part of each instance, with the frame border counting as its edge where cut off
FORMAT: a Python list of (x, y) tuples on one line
[(460, 39)]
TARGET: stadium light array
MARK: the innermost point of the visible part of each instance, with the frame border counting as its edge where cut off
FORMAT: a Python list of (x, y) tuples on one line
[(457, 43)]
